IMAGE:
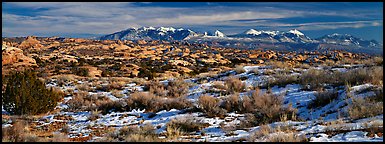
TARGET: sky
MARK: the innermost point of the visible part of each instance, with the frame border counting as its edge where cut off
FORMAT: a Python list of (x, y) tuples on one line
[(87, 19)]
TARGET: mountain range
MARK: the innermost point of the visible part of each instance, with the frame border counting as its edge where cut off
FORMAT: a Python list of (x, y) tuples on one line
[(250, 39)]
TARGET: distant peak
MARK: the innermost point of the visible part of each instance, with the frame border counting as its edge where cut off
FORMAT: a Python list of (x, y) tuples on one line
[(296, 32), (253, 32), (219, 33), (166, 29)]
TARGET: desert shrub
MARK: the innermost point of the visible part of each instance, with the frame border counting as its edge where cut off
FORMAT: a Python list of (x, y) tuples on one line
[(364, 108), (234, 85), (78, 102), (26, 94), (357, 76), (63, 79), (210, 106), (177, 88), (232, 103), (188, 124), (219, 85), (282, 80), (176, 103), (239, 69), (329, 62), (106, 106), (323, 98), (379, 95), (262, 131), (19, 132), (80, 71), (278, 64), (13, 133), (82, 101), (250, 120), (115, 85), (266, 107), (157, 88), (142, 100), (314, 79), (117, 93), (377, 75), (152, 103)]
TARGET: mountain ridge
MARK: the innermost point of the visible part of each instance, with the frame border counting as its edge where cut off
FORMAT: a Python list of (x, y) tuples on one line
[(291, 36)]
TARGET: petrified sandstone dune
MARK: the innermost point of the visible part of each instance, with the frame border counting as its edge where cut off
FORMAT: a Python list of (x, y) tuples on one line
[(14, 56)]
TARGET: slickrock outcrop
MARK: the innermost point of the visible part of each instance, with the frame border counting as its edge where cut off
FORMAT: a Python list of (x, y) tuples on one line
[(15, 57), (30, 42)]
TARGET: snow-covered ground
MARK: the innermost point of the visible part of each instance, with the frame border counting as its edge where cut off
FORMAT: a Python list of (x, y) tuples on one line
[(311, 124)]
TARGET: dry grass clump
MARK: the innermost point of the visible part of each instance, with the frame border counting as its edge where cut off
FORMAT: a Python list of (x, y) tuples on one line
[(145, 133), (173, 133), (187, 124), (58, 137), (83, 87), (278, 134), (211, 106), (286, 137), (234, 85), (239, 69), (323, 98), (177, 88), (94, 115)]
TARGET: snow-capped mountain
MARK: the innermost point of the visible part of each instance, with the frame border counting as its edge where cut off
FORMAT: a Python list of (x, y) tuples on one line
[(218, 33), (348, 40), (294, 36), (257, 33), (251, 38), (151, 33)]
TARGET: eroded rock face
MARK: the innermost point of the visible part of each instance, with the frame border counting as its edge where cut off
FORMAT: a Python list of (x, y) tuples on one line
[(15, 57), (30, 42)]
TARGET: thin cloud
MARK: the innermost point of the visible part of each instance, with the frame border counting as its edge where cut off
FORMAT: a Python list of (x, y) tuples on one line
[(103, 18)]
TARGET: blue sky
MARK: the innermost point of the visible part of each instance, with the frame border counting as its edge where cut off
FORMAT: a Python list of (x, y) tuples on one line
[(81, 19)]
